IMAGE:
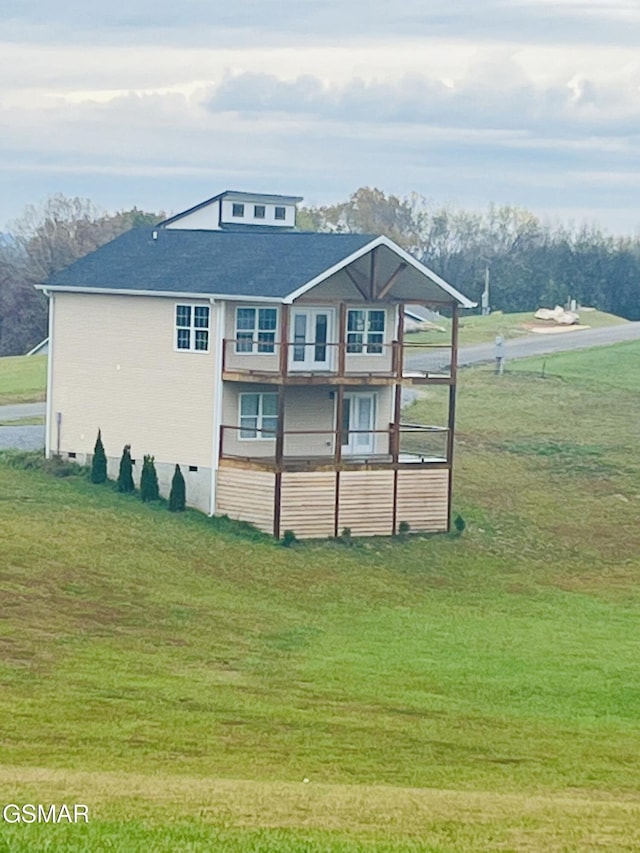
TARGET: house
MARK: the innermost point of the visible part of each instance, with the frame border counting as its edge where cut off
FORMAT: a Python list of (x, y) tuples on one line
[(40, 349), (418, 318), (268, 362)]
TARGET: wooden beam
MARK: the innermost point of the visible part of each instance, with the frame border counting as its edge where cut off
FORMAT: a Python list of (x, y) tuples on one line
[(279, 453), (372, 276), (452, 409), (277, 501), (356, 283), (337, 450), (336, 508), (279, 450), (394, 519), (342, 338), (284, 341), (386, 287), (400, 340)]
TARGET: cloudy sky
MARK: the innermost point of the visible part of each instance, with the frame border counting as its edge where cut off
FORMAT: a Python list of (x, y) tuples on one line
[(529, 102)]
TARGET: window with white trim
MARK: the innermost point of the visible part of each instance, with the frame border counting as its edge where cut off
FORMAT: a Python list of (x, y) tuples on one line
[(256, 330), (237, 210), (365, 330), (258, 416), (192, 328), (280, 213)]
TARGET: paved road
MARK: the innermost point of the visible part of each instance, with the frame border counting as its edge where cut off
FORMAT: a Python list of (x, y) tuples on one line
[(539, 345), (23, 436), (21, 410)]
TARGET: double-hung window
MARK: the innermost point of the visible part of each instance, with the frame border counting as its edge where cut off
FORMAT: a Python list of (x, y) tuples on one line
[(192, 328), (365, 331), (256, 330), (258, 416)]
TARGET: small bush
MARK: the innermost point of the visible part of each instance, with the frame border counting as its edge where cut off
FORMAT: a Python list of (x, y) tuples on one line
[(459, 523), (125, 473), (403, 528), (99, 462), (62, 467), (149, 490), (35, 460), (345, 536), (288, 538), (25, 460), (177, 496)]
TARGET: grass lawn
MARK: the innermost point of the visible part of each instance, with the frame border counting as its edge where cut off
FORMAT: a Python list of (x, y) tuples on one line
[(23, 379), (183, 676), (475, 329)]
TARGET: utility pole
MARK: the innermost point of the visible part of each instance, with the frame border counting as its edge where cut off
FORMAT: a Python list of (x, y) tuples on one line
[(486, 308)]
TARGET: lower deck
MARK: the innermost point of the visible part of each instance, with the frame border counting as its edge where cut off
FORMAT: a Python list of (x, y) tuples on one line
[(322, 503)]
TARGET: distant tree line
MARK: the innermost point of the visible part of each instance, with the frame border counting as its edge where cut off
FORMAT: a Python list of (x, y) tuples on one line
[(46, 239), (529, 263)]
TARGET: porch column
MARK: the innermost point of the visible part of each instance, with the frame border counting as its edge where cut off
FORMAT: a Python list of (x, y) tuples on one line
[(284, 341), (342, 338), (279, 454), (452, 407)]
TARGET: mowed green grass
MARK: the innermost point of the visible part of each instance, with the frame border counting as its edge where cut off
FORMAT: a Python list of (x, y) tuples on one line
[(476, 329), (183, 677), (23, 379)]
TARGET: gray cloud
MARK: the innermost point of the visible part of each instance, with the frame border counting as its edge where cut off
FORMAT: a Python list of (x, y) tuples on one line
[(492, 95)]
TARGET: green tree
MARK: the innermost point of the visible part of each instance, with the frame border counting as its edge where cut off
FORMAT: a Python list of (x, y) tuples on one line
[(149, 490), (99, 462), (125, 473), (177, 496), (45, 239)]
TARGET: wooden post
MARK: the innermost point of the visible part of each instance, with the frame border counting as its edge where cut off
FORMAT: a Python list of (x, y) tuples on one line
[(279, 454), (372, 278), (452, 408), (394, 520), (277, 495), (400, 339), (337, 451), (284, 341), (397, 412), (397, 406), (342, 339)]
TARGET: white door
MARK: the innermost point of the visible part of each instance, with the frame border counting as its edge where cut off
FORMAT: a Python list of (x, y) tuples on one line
[(358, 423), (310, 334)]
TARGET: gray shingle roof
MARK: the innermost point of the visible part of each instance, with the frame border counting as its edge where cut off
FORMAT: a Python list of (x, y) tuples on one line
[(219, 262)]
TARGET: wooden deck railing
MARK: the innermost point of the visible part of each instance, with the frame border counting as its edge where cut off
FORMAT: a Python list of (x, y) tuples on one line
[(336, 359), (409, 444)]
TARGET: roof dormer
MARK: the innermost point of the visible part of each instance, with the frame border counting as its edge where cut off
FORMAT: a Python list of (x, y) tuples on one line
[(238, 211)]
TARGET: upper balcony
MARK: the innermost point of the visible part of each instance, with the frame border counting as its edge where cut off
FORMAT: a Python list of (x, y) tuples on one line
[(332, 363)]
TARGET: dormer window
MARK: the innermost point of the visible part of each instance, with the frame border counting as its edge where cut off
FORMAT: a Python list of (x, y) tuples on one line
[(259, 211), (280, 213), (237, 210)]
